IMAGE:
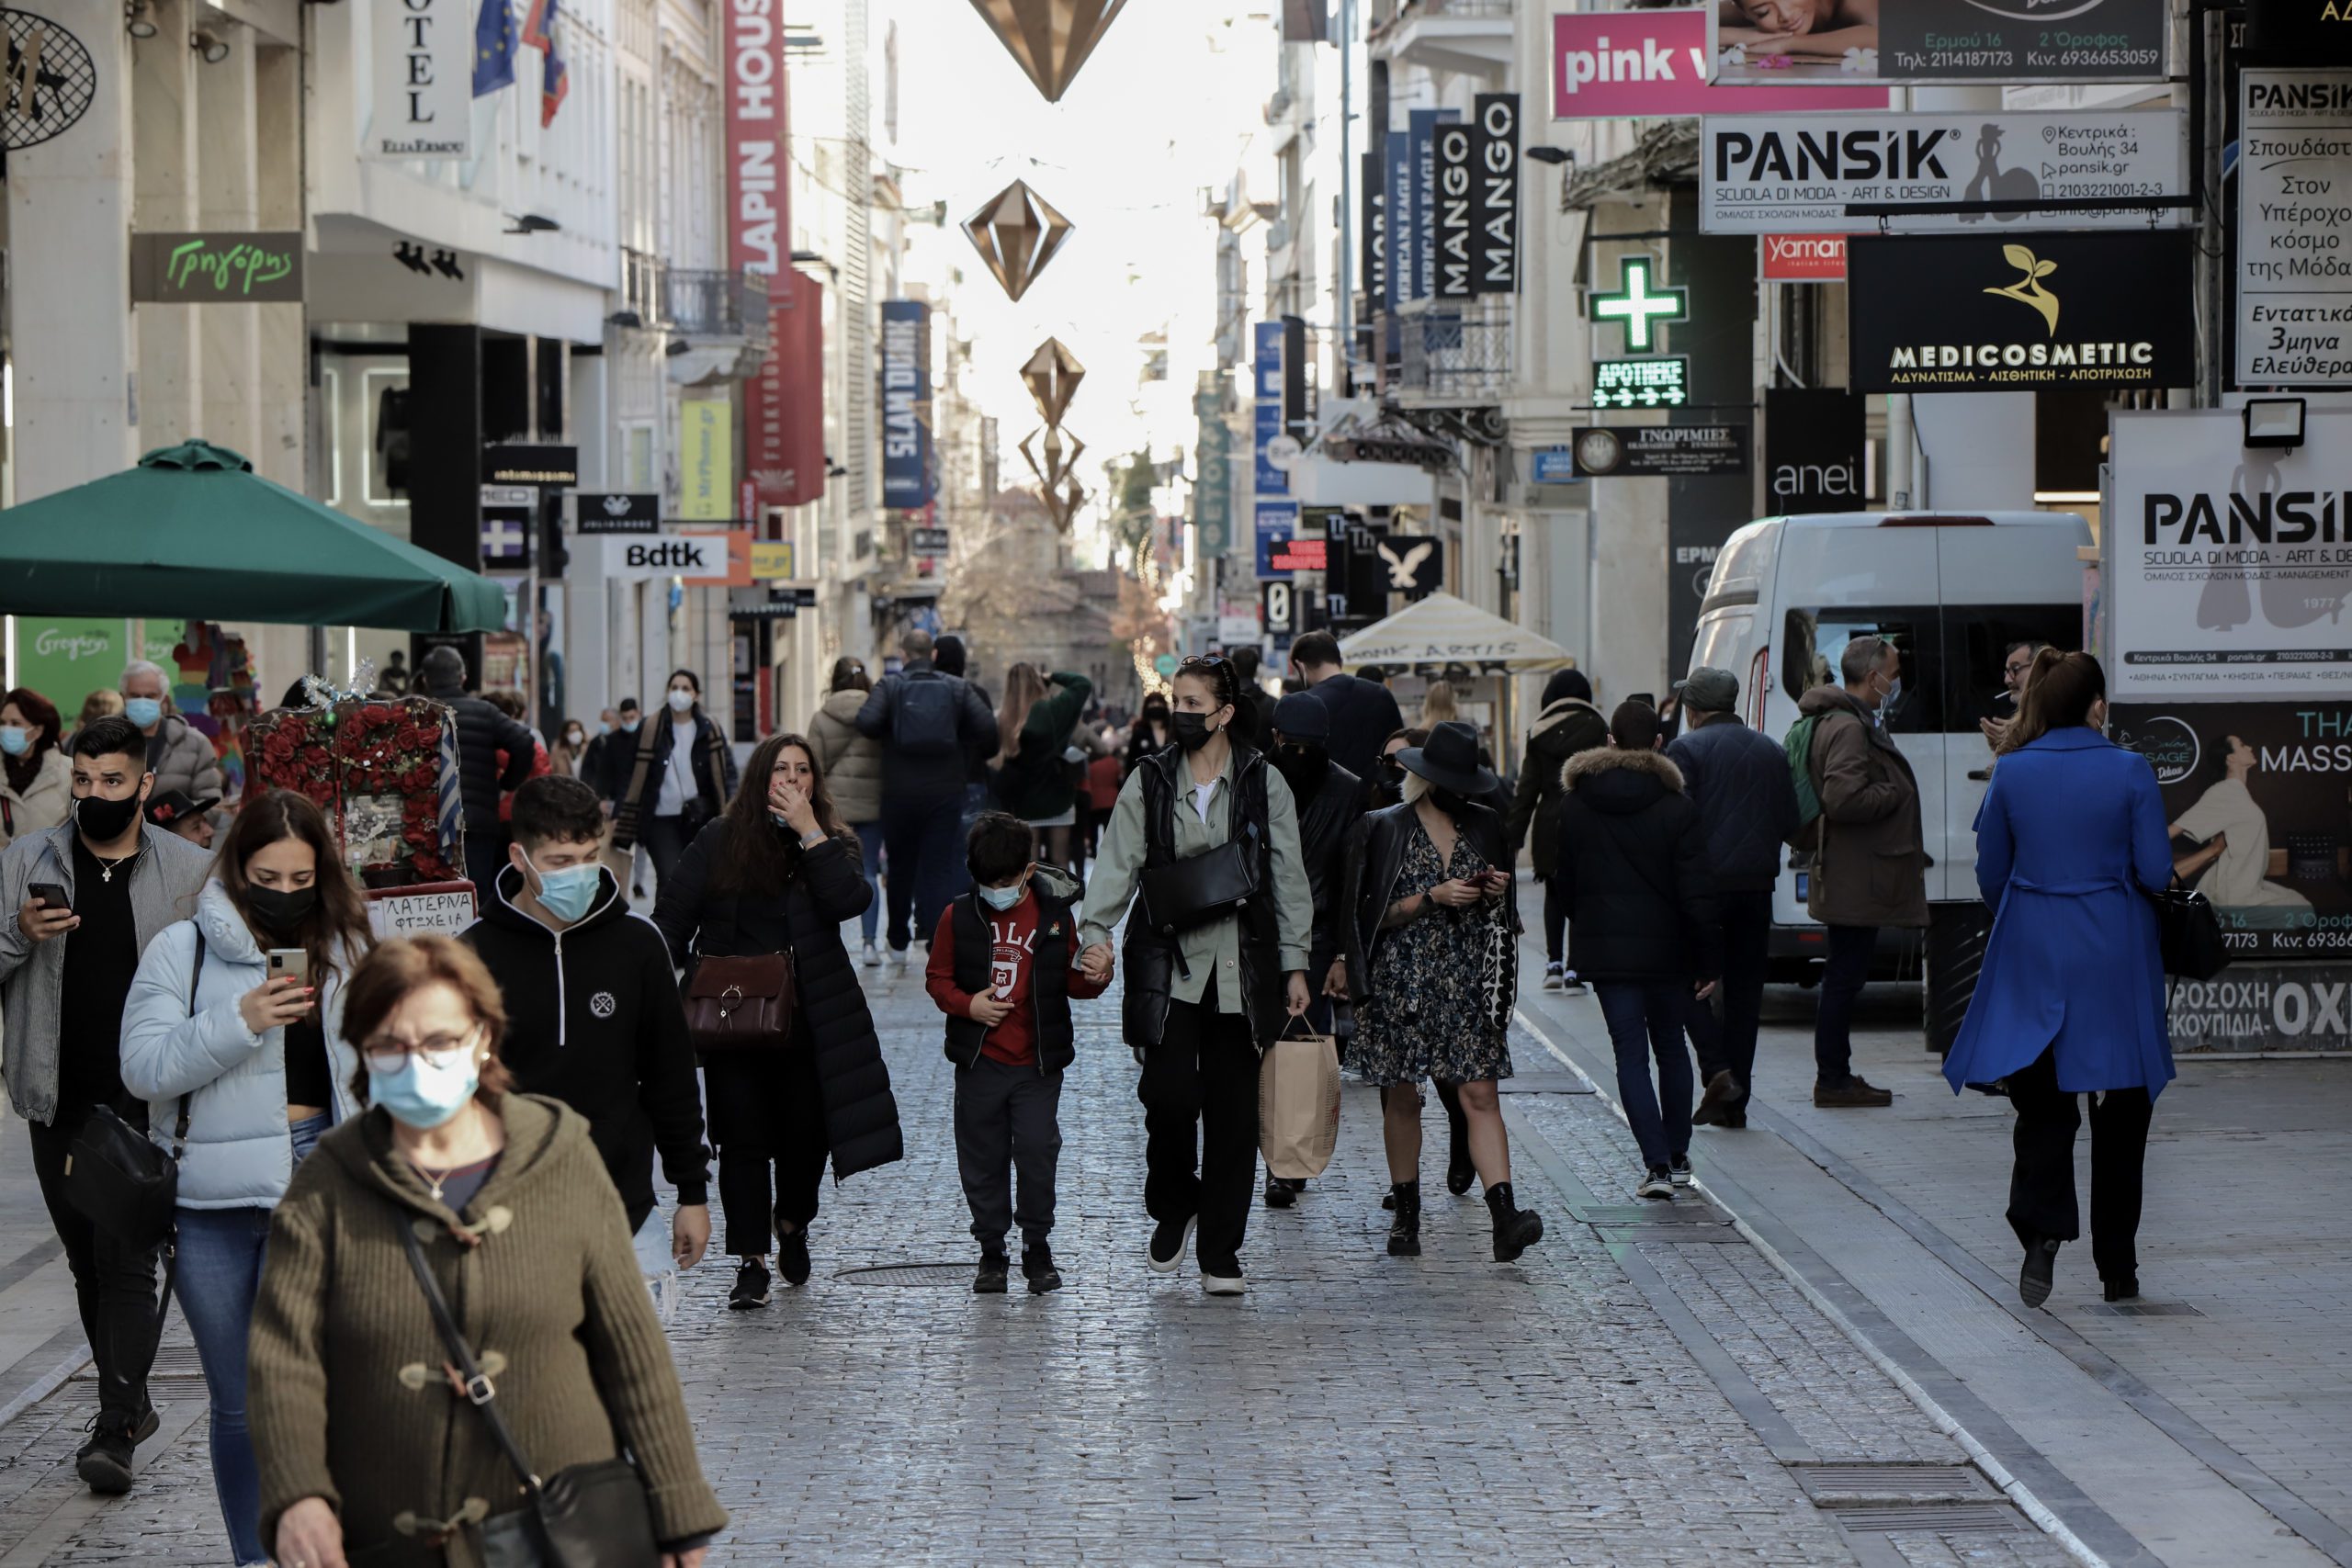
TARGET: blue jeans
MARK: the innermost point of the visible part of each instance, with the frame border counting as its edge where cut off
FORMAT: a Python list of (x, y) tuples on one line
[(925, 841), (1646, 1020), (221, 1253), (869, 838)]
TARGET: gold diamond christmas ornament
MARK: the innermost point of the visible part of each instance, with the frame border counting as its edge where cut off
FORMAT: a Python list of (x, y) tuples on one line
[(1052, 376), (1049, 40), (1016, 234), (1062, 504), (1060, 451)]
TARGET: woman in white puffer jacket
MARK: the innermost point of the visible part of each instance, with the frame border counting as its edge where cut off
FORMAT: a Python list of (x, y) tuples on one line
[(265, 1072)]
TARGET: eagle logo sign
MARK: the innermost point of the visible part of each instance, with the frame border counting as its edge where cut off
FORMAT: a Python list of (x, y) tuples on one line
[(1405, 570), (616, 506)]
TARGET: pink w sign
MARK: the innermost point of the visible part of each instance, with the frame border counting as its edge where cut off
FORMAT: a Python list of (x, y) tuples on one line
[(1610, 64)]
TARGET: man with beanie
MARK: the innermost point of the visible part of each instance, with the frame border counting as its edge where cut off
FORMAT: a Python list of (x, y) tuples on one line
[(1567, 724), (1748, 809), (483, 733)]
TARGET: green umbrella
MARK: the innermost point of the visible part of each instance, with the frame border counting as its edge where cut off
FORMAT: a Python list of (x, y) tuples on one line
[(194, 531)]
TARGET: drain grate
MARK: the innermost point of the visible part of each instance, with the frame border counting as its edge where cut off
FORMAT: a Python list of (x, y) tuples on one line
[(170, 1361), (934, 1274), (1650, 1213), (2144, 1309), (1936, 1518), (1848, 1485)]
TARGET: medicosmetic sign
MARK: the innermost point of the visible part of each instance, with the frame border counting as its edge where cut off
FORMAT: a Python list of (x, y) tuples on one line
[(2294, 276), (2229, 567)]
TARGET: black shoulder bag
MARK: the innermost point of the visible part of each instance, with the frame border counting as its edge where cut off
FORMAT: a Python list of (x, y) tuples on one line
[(588, 1515), (117, 1177), (1179, 894), (2189, 933)]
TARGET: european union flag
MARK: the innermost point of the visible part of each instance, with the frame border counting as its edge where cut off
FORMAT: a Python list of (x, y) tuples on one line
[(493, 47)]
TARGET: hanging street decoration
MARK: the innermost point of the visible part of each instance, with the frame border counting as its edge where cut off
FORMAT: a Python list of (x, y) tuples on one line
[(1016, 234), (1052, 376), (49, 81), (1055, 462), (1049, 40)]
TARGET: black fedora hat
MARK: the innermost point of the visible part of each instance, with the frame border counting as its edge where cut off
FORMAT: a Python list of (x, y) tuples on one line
[(1449, 761)]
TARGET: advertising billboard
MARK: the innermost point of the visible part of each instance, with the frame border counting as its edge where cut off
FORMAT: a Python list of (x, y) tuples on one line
[(906, 404), (1607, 65), (2294, 179), (1777, 44)]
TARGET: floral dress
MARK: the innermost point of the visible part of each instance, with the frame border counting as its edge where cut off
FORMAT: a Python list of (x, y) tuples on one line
[(1431, 1010)]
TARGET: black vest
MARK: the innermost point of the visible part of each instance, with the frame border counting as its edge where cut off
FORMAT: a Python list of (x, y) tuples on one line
[(1151, 958), (1048, 978)]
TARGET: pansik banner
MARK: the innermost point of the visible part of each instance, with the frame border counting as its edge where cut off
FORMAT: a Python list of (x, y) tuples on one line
[(2294, 266), (906, 404), (2017, 311), (2255, 804), (1606, 64), (2228, 568), (1946, 40), (1494, 206), (423, 80), (1762, 174)]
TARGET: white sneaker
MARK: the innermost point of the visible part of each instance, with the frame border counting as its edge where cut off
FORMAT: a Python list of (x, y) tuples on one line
[(1223, 1284), (895, 962), (1555, 978), (870, 956)]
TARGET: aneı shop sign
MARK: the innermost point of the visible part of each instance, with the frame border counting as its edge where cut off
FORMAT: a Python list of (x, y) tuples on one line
[(906, 404), (2229, 567), (2294, 269), (1988, 42), (1762, 174), (1609, 64), (2017, 311), (1815, 451), (2253, 796), (422, 105)]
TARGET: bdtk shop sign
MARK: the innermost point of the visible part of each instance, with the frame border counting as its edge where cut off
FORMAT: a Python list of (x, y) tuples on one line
[(645, 558), (1644, 451), (1942, 41), (2229, 567), (2013, 312), (1767, 172), (2294, 272)]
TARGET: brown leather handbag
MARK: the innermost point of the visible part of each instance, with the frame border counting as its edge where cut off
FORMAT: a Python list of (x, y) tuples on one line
[(741, 1004)]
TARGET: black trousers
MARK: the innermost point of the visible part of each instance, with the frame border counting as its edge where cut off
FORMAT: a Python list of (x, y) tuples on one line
[(485, 851), (113, 1286), (1200, 1121), (1728, 1043), (1555, 922), (1008, 1118), (767, 1116), (665, 839), (925, 840), (2041, 1183), (1842, 979)]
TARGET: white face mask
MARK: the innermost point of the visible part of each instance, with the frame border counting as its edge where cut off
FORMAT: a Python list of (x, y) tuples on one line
[(681, 700)]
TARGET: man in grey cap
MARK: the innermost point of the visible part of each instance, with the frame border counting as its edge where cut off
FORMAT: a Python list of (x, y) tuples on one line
[(1747, 808), (1329, 800)]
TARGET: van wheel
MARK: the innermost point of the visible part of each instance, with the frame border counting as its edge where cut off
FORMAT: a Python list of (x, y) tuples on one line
[(1955, 955)]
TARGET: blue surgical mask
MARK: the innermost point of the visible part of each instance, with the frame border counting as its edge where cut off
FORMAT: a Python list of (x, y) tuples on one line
[(16, 739), (1893, 690), (630, 727), (1004, 898), (604, 729), (143, 711), (423, 1095), (566, 894)]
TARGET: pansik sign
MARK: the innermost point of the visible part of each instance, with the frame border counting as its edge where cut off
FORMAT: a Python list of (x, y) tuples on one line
[(1606, 64), (1762, 174), (2295, 271), (2229, 568), (1645, 450), (423, 80), (1947, 41), (906, 404), (2255, 796), (2013, 312)]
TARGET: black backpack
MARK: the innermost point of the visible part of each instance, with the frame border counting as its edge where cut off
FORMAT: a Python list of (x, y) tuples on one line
[(924, 721)]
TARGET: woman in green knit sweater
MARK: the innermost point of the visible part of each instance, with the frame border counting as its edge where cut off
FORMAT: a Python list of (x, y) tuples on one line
[(1032, 778), (370, 1452)]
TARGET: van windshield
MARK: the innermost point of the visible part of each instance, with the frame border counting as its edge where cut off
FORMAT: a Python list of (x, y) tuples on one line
[(1813, 640)]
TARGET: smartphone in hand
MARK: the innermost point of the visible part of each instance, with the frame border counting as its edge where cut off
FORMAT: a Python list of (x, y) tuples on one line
[(49, 895), (289, 963)]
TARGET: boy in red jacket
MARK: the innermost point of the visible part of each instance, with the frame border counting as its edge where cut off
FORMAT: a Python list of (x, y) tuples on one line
[(1002, 969)]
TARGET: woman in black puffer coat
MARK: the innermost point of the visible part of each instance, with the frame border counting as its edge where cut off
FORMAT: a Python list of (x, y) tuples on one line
[(1633, 870), (781, 872)]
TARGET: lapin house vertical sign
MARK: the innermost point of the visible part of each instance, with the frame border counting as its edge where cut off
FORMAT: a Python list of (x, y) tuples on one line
[(759, 232), (423, 106)]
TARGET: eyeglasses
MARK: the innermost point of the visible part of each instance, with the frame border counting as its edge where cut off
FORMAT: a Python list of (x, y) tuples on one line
[(1203, 662), (2017, 668), (438, 1050)]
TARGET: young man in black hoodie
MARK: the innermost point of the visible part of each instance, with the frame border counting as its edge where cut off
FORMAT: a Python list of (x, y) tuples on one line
[(593, 1015)]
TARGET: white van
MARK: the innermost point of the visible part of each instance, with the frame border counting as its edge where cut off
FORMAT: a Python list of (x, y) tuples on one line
[(1952, 592)]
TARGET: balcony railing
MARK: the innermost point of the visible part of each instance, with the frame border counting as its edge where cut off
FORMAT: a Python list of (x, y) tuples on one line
[(1455, 360), (717, 304), (641, 293)]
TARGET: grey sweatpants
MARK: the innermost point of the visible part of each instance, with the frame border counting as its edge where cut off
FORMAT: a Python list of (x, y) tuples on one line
[(1006, 1118)]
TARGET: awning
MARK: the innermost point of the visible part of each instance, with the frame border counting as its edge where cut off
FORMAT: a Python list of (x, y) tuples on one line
[(1441, 630), (192, 531)]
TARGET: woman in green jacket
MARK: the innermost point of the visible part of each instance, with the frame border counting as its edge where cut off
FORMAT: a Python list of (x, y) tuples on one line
[(372, 1452), (1031, 777)]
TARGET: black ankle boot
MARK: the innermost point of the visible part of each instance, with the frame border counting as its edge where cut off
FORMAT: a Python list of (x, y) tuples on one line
[(1404, 1230), (1516, 1229)]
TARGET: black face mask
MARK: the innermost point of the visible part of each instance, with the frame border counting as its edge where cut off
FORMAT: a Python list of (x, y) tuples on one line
[(1157, 717), (102, 820), (1301, 766), (1191, 729), (281, 911), (1392, 773), (1448, 802)]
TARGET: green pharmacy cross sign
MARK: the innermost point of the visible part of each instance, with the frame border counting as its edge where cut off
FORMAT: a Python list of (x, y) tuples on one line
[(1661, 381), (216, 268), (1639, 306)]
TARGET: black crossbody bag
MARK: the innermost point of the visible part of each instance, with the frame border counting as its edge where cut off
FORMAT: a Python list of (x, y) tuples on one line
[(2189, 933), (116, 1176), (586, 1515)]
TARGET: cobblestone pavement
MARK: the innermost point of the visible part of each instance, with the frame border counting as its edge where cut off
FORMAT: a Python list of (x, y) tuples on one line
[(1628, 1393)]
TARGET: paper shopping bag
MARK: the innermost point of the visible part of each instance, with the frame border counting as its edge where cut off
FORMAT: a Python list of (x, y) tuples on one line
[(1298, 1105)]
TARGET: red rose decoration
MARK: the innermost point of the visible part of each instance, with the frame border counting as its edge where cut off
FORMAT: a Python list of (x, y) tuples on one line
[(279, 745), (376, 713)]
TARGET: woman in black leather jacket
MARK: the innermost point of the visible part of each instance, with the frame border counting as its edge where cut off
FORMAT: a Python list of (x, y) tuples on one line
[(780, 872), (1433, 966)]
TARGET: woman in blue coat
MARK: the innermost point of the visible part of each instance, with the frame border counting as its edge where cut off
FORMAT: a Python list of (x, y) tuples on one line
[(2071, 1000)]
